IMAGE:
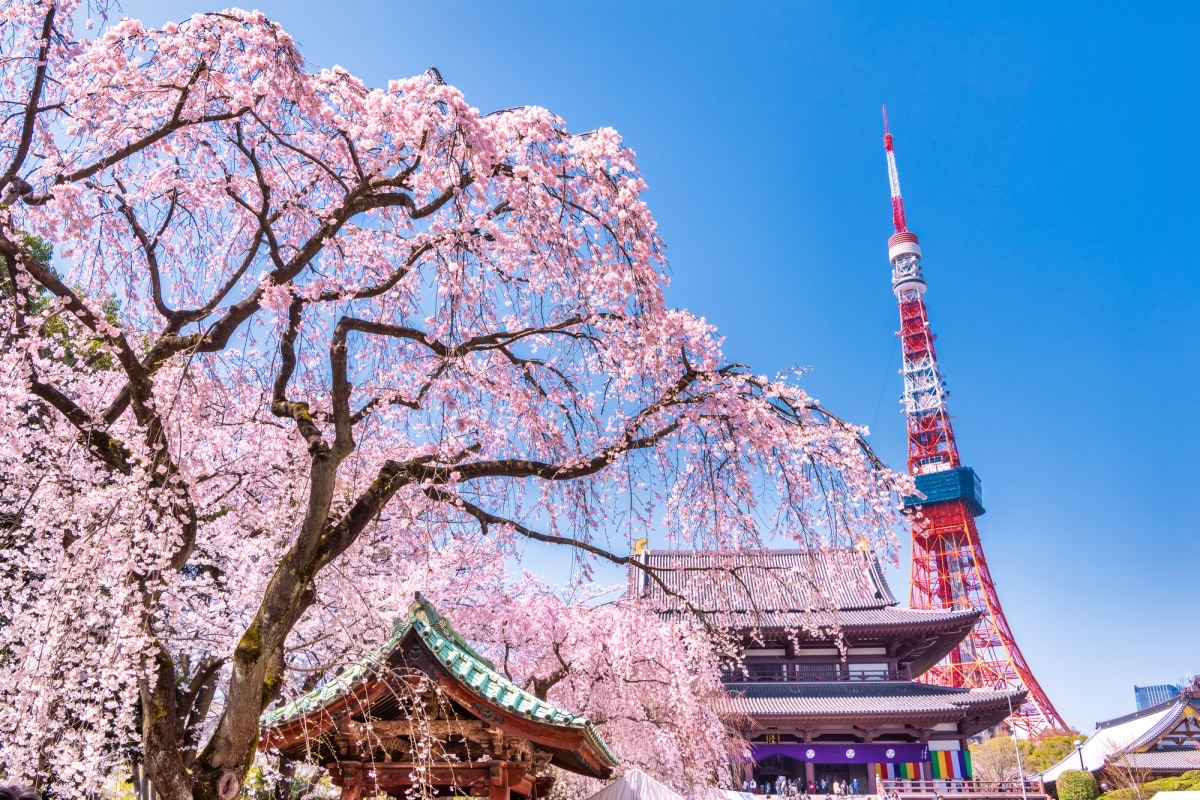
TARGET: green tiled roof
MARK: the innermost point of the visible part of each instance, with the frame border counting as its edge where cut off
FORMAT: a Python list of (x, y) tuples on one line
[(338, 686), (459, 658)]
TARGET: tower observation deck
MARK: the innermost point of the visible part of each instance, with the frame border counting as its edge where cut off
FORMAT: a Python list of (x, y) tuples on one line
[(949, 571)]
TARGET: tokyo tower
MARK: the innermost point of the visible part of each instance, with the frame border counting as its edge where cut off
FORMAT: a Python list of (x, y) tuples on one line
[(949, 570)]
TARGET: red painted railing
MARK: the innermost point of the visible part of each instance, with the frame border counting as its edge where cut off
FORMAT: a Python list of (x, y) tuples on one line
[(954, 787)]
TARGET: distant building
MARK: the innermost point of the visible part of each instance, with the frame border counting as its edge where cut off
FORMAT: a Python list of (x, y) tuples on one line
[(1147, 696)]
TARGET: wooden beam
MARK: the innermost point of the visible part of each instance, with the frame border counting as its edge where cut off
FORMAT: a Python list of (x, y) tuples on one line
[(555, 737), (395, 776), (498, 783)]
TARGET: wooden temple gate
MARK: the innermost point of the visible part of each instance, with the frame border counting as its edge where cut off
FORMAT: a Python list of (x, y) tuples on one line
[(426, 709)]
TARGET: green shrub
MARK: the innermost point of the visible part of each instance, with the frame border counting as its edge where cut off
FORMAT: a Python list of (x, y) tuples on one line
[(1075, 784), (1188, 781), (1172, 784), (1177, 783)]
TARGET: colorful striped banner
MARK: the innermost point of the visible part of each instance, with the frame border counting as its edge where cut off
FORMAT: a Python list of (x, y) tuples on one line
[(951, 764), (910, 771), (943, 765)]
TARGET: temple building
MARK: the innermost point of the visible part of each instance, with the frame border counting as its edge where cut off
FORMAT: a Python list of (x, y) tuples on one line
[(425, 707), (1161, 741), (825, 678)]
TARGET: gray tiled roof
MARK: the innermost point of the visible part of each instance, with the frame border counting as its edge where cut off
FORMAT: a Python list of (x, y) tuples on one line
[(766, 581), (843, 698), (863, 618), (1156, 731), (1181, 759), (1141, 729)]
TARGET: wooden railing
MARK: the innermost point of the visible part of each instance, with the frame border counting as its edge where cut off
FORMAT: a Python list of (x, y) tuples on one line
[(773, 673), (957, 788)]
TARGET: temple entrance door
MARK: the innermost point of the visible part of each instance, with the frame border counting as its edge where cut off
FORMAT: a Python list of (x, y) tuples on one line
[(842, 773), (827, 774), (776, 767)]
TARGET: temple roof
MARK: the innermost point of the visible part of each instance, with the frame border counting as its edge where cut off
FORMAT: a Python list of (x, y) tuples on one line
[(842, 699), (1159, 738), (314, 713), (1172, 759), (787, 581), (814, 592), (853, 619)]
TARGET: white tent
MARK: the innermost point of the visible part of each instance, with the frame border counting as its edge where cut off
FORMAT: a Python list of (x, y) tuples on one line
[(635, 785)]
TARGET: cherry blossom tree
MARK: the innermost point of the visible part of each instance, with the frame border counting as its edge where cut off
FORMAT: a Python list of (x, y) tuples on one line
[(652, 687), (343, 342)]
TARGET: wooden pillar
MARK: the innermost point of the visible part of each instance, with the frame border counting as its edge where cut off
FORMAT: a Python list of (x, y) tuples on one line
[(872, 770), (352, 782), (810, 774), (498, 783), (926, 767)]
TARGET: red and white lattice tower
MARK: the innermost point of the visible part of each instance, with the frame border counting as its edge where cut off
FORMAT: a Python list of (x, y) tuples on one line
[(949, 570)]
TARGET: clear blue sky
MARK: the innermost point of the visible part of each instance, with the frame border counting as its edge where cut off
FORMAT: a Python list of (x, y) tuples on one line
[(1048, 157)]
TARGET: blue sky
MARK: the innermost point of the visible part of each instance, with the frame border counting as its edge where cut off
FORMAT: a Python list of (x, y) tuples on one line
[(1049, 163)]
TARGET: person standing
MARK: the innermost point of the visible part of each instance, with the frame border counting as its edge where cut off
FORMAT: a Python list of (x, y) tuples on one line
[(854, 787)]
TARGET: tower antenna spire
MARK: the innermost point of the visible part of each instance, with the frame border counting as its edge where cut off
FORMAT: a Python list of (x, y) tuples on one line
[(949, 571), (893, 178)]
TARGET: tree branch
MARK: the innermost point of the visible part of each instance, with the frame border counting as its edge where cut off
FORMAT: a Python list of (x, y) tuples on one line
[(31, 111)]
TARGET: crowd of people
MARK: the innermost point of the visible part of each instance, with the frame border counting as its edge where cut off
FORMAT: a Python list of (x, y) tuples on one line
[(784, 786)]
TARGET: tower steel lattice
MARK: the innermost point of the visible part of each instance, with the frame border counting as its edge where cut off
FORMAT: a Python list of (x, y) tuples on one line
[(949, 570)]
